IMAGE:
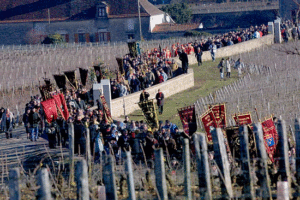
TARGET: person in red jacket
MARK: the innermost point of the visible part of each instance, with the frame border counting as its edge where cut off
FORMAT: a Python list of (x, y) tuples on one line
[(160, 101)]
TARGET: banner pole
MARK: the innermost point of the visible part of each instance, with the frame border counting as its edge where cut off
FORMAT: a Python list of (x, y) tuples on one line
[(256, 114)]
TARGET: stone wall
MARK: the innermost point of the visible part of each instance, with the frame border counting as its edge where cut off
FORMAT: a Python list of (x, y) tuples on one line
[(169, 88), (234, 49)]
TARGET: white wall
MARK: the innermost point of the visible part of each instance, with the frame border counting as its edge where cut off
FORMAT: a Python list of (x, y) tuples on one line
[(156, 19)]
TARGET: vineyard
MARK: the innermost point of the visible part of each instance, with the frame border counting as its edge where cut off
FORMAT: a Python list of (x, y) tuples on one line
[(24, 67), (271, 85)]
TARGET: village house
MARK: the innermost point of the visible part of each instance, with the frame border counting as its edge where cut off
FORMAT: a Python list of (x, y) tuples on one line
[(30, 21)]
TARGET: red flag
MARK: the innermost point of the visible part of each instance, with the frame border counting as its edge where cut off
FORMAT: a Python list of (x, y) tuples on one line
[(64, 106), (58, 104), (243, 119), (219, 112), (270, 137), (208, 120), (49, 108), (186, 114)]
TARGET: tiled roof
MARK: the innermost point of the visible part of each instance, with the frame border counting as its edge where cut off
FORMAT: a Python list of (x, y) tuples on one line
[(172, 27), (38, 10), (129, 8)]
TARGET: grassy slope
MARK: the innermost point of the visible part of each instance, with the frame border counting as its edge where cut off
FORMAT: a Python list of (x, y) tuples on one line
[(207, 80)]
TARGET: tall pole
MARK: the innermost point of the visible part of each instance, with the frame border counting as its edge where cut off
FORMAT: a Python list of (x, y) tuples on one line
[(48, 15), (140, 24)]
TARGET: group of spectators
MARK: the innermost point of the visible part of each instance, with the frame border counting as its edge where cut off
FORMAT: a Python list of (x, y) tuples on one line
[(143, 72), (158, 65)]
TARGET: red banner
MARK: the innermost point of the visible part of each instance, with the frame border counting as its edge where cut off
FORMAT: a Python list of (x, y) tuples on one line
[(187, 114), (49, 108), (208, 120), (107, 114), (219, 112), (64, 106), (243, 119), (58, 104), (270, 137)]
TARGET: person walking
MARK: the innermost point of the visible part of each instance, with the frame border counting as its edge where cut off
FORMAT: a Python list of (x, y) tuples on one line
[(7, 123), (228, 68), (160, 101), (239, 65), (26, 122), (199, 55), (213, 50), (184, 61), (221, 66), (34, 120)]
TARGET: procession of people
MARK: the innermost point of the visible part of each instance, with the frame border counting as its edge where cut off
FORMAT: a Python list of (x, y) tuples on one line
[(138, 73)]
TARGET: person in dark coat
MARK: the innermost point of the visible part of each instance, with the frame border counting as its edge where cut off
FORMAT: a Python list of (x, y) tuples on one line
[(81, 103), (2, 110), (135, 84), (199, 55), (52, 130), (79, 136), (123, 141), (160, 101), (34, 119), (144, 96), (184, 61), (26, 122)]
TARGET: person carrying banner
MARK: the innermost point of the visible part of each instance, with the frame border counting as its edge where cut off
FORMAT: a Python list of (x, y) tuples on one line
[(51, 130), (160, 101), (144, 96)]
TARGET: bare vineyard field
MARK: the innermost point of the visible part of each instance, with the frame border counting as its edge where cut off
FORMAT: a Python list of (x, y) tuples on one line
[(23, 67), (271, 84)]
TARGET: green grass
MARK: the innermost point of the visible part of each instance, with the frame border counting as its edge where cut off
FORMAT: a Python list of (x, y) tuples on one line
[(207, 80)]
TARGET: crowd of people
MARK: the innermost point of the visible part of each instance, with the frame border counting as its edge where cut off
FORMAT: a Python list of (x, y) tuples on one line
[(157, 65), (147, 69), (105, 136)]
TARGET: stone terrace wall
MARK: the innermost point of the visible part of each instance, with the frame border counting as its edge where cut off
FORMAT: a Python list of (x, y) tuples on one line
[(234, 49), (169, 88)]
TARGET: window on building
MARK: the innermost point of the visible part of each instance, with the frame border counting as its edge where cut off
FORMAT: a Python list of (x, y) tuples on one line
[(81, 37), (131, 36), (101, 12), (103, 37), (65, 37)]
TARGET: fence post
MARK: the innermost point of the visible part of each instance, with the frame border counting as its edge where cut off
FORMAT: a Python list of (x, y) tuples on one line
[(248, 189), (265, 189), (71, 151), (203, 166), (82, 180), (160, 174), (14, 184), (88, 151), (109, 178), (222, 161), (44, 192), (297, 140), (284, 164), (187, 169), (130, 179)]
